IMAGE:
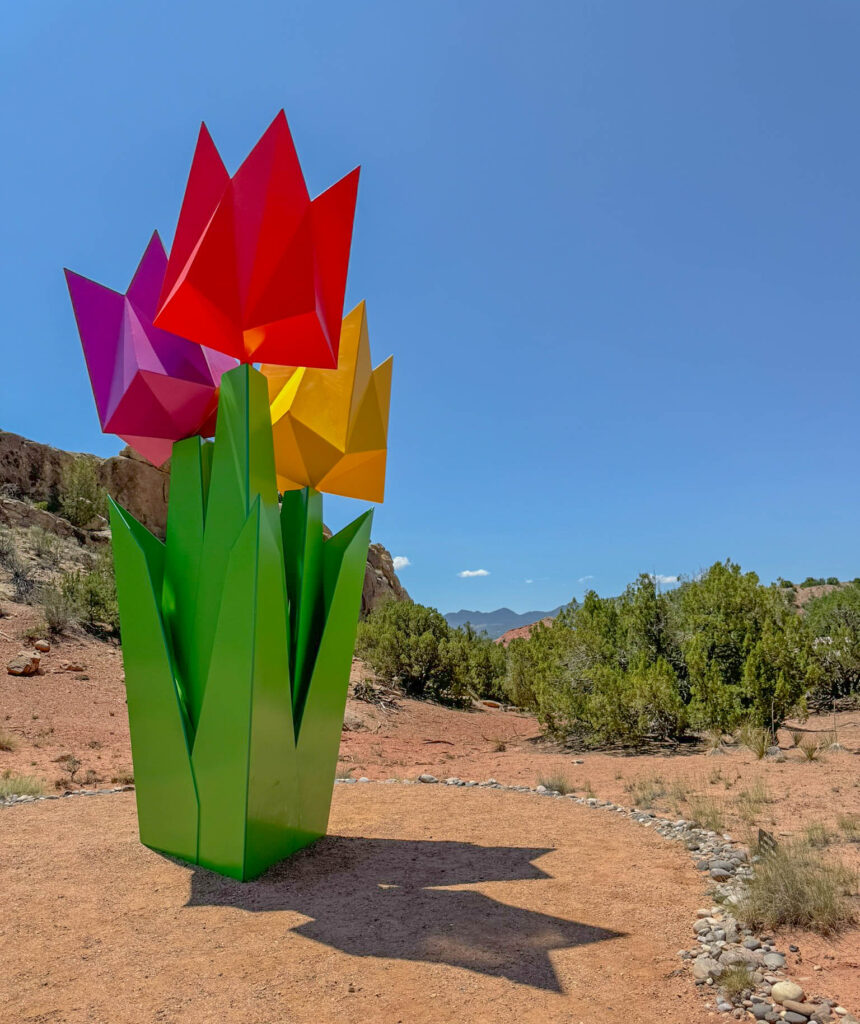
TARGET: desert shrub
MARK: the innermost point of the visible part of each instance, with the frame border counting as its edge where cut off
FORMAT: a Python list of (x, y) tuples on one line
[(413, 646), (20, 785), (82, 497), (556, 783), (813, 581), (794, 887), (23, 580), (719, 650), (58, 610), (47, 547), (745, 651), (832, 622), (8, 546), (90, 595), (796, 736), (833, 581), (21, 574)]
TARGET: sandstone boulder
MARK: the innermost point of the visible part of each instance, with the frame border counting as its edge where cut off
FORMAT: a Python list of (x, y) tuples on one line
[(24, 664)]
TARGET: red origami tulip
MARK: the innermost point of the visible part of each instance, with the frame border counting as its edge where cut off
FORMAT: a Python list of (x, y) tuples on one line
[(258, 269)]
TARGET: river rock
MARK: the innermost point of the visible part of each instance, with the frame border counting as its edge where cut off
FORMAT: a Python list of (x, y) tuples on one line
[(783, 990)]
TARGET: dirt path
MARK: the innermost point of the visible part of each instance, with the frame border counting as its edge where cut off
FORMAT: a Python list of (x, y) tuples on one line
[(426, 904)]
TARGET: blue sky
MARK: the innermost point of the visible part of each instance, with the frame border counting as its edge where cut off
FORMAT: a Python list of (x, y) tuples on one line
[(614, 248)]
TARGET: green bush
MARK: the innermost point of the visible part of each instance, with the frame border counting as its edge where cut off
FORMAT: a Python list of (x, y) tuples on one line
[(90, 596), (832, 622), (82, 497), (718, 650), (412, 646)]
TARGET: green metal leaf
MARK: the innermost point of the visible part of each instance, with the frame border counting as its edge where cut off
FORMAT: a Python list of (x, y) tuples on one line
[(164, 779)]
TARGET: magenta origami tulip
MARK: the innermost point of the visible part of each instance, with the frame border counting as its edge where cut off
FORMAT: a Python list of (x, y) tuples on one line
[(151, 387)]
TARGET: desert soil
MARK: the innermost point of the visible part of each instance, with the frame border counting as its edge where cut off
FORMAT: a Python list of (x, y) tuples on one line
[(82, 713), (425, 904)]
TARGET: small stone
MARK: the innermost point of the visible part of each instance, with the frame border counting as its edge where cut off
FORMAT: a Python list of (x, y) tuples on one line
[(760, 1010), (794, 1018), (426, 777), (783, 990), (24, 664), (705, 967), (840, 1010), (719, 875), (794, 949), (807, 1009), (751, 942), (42, 645), (72, 666), (364, 778), (721, 865), (773, 960), (541, 790)]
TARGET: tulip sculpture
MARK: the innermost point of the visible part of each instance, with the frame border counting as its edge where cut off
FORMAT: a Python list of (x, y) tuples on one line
[(238, 629)]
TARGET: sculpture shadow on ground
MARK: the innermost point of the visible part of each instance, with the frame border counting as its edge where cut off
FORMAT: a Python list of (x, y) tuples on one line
[(381, 898)]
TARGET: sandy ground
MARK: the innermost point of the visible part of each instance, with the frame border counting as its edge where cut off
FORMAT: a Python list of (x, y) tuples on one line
[(424, 905), (83, 714)]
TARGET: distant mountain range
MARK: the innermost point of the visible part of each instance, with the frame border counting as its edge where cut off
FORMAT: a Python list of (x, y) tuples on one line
[(497, 622)]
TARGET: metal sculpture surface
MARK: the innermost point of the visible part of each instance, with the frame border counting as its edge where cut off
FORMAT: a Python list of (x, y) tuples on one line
[(238, 628)]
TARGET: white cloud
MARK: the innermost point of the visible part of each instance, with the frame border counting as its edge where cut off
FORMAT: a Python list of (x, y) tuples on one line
[(584, 579), (401, 561), (529, 581), (660, 578), (467, 574)]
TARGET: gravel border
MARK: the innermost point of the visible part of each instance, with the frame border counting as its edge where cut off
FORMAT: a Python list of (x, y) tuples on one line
[(721, 940)]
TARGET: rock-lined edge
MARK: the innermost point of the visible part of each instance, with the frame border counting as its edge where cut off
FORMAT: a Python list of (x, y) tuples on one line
[(722, 940)]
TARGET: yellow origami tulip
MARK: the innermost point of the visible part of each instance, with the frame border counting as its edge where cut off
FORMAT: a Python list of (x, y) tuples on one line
[(331, 426)]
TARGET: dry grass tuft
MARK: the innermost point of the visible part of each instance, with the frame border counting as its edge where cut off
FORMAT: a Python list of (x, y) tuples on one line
[(707, 811), (556, 783), (810, 747), (734, 981), (794, 887), (817, 835), (646, 791), (8, 742), (20, 785), (756, 739), (750, 801), (849, 826)]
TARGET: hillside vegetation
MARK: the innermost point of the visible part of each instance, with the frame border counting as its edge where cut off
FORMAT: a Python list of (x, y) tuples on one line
[(718, 652)]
